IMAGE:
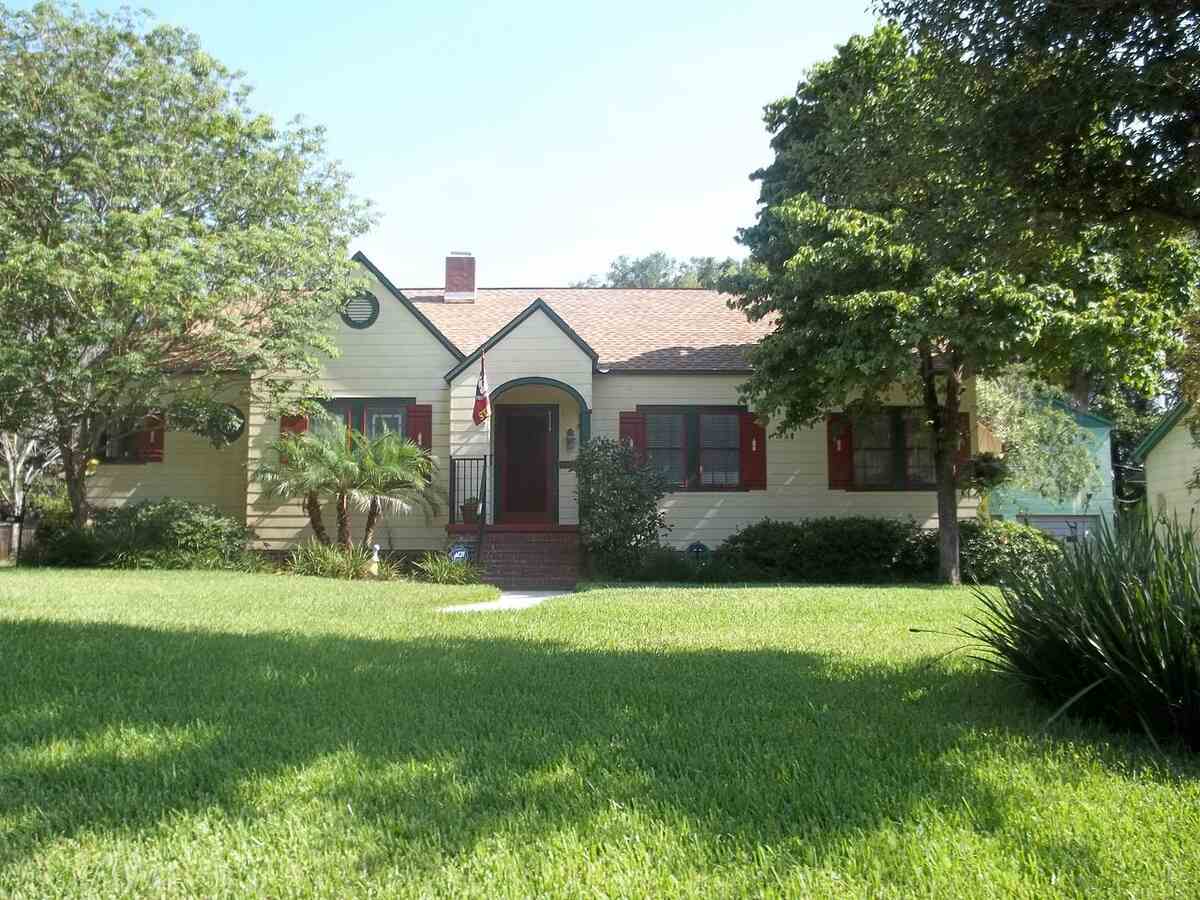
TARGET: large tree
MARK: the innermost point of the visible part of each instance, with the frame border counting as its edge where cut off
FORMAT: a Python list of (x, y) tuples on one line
[(890, 250), (160, 243), (659, 270), (1092, 105)]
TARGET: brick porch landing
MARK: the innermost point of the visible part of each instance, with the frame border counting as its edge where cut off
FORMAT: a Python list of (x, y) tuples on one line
[(526, 557)]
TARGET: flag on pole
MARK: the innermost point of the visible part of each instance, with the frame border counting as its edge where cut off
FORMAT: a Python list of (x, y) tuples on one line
[(483, 400)]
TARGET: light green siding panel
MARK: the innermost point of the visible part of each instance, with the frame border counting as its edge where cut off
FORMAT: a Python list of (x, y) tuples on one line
[(1012, 504)]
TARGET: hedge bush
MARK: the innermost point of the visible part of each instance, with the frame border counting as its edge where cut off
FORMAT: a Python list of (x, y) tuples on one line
[(854, 549), (168, 533), (1112, 631)]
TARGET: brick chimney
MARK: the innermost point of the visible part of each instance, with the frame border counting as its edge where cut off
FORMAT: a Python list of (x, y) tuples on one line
[(460, 278)]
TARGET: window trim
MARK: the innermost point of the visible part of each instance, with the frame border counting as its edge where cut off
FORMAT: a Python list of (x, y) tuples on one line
[(691, 436), (684, 449), (899, 455), (358, 408)]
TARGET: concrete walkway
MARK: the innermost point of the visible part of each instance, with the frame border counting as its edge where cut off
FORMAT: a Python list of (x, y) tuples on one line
[(507, 600)]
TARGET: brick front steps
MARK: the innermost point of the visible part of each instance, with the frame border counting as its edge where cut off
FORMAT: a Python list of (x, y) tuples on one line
[(526, 557)]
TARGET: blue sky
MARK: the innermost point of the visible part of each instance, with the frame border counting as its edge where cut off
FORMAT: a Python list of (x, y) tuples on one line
[(547, 138)]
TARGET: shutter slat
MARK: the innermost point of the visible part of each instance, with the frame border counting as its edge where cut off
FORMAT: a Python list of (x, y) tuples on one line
[(633, 432), (840, 451), (418, 425), (753, 452)]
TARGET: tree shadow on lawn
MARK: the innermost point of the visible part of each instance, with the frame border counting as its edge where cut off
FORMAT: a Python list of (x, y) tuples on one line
[(453, 740)]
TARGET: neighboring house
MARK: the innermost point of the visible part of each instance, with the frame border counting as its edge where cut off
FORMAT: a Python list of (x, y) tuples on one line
[(1171, 458), (1075, 516), (658, 367)]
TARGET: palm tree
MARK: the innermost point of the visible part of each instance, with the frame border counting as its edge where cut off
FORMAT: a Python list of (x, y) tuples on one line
[(385, 474), (393, 475)]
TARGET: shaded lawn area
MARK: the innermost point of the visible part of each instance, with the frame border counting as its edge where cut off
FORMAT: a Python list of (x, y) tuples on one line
[(216, 734)]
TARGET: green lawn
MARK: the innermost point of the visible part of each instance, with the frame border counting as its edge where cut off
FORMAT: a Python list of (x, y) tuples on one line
[(212, 734)]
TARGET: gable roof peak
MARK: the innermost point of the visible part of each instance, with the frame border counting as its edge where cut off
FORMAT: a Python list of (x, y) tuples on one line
[(538, 305)]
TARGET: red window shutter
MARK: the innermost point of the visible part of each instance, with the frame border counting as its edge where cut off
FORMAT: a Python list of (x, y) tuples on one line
[(753, 453), (962, 457), (418, 425), (841, 451), (633, 431), (148, 443), (293, 424)]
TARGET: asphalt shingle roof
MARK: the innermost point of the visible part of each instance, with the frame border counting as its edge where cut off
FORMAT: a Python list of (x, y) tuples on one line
[(630, 328)]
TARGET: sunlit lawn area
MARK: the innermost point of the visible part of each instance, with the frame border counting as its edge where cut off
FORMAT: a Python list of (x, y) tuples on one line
[(209, 735)]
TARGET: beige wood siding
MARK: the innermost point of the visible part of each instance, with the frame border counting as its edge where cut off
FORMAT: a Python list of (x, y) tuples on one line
[(537, 348), (1169, 468), (192, 469), (797, 471), (396, 357)]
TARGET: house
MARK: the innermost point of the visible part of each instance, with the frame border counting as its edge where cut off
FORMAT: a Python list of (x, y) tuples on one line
[(1076, 516), (1171, 458), (658, 367)]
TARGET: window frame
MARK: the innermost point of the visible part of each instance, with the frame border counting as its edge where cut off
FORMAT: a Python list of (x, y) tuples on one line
[(898, 417), (693, 483), (353, 411), (684, 448)]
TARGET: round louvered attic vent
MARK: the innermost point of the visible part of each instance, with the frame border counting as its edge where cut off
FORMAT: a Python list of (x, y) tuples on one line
[(361, 311)]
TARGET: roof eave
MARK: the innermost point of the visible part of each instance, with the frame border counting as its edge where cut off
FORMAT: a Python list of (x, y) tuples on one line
[(537, 305), (1160, 431), (362, 259)]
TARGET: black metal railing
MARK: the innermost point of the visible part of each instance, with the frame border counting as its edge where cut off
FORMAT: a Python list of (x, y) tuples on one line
[(468, 489)]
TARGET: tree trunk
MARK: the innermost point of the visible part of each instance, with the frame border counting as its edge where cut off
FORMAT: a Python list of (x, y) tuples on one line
[(343, 522), (75, 475), (944, 416), (1081, 389), (947, 503), (18, 492), (312, 506), (373, 512)]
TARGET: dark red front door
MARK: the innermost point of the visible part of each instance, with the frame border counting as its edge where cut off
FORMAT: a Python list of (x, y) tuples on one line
[(525, 444)]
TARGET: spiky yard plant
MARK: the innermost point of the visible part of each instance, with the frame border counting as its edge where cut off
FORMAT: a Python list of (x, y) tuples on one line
[(381, 475), (1112, 632)]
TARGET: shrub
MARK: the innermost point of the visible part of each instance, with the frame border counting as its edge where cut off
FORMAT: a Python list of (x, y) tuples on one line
[(666, 564), (171, 525), (1110, 632), (335, 561), (764, 551), (439, 568), (989, 548), (854, 549), (66, 545), (619, 517), (168, 533)]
